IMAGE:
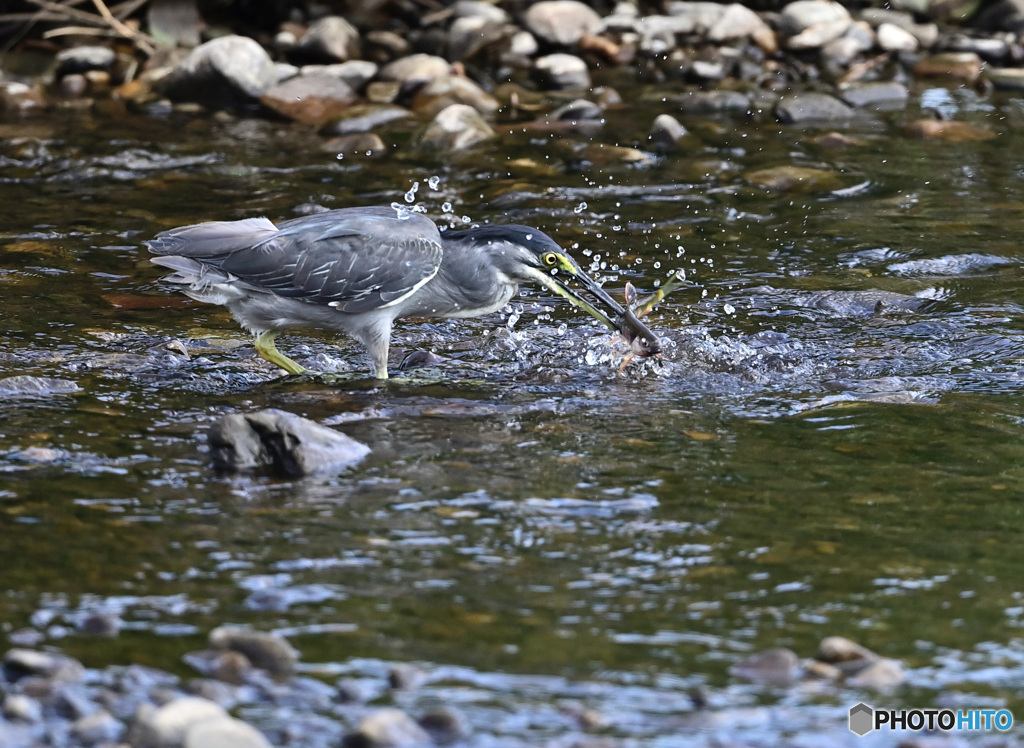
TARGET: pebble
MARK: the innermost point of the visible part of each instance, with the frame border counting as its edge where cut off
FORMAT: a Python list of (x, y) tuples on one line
[(330, 39), (811, 107), (20, 708), (281, 442), (86, 57), (562, 71), (415, 69), (876, 94), (443, 91), (882, 675), (666, 131), (310, 98), (227, 71), (167, 726), (962, 66), (892, 38), (387, 728), (98, 728), (445, 725), (268, 651), (224, 733), (24, 385), (561, 22), (456, 128), (406, 677), (778, 667), (21, 662)]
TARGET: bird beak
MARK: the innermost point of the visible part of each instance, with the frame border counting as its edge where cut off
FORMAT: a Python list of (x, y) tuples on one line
[(571, 283)]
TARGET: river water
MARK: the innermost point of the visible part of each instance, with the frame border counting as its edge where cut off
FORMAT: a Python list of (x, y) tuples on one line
[(833, 444)]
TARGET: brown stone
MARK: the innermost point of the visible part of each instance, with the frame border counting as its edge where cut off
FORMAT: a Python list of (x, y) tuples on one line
[(313, 99)]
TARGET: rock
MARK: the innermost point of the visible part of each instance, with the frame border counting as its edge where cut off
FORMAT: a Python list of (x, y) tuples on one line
[(227, 71), (100, 624), (480, 9), (776, 667), (666, 131), (713, 102), (174, 23), (331, 39), (818, 35), (443, 91), (802, 15), (356, 144), (880, 95), (577, 110), (21, 662), (1006, 79), (166, 726), (98, 728), (892, 38), (387, 728), (561, 71), (695, 18), (20, 708), (794, 179), (281, 442), (949, 130), (415, 69), (268, 651), (25, 385), (311, 99), (963, 66), (561, 22), (86, 57), (224, 733), (739, 22), (811, 107), (469, 35), (355, 73), (839, 649), (386, 45), (881, 675), (406, 677), (445, 725), (455, 128), (363, 118)]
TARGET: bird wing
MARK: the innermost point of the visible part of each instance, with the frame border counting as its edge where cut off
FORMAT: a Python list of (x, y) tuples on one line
[(356, 259)]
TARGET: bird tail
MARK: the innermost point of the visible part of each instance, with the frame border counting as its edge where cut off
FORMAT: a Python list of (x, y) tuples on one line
[(212, 239)]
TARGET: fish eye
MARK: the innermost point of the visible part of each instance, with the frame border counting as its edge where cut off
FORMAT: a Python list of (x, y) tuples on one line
[(549, 259)]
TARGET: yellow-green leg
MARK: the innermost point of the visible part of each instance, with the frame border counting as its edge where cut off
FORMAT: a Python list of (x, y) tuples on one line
[(266, 348)]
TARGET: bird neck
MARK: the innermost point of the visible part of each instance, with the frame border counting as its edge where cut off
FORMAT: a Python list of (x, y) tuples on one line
[(468, 282)]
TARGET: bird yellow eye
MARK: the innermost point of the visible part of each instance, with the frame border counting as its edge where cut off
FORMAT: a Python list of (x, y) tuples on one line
[(549, 259)]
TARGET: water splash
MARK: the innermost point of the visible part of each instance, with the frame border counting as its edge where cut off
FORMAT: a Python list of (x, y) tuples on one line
[(434, 183), (410, 196)]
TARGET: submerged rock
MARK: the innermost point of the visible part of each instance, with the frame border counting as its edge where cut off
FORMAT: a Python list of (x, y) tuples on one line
[(28, 386), (281, 442)]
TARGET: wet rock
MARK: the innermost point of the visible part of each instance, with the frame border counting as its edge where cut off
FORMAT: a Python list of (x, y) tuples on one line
[(446, 90), (224, 733), (801, 15), (739, 22), (98, 728), (467, 36), (312, 99), (577, 110), (355, 73), (811, 107), (855, 303), (961, 264), (962, 66), (268, 651), (777, 667), (331, 39), (357, 144), (228, 71), (281, 442), (415, 69), (456, 128), (71, 700), (445, 725), (100, 624), (167, 726), (561, 22), (877, 94), (713, 102), (794, 179), (892, 38), (20, 708), (21, 662), (387, 728), (839, 649), (381, 44), (28, 386), (364, 118), (950, 130), (86, 57), (1006, 79), (561, 71), (26, 637), (881, 675), (695, 18), (226, 666)]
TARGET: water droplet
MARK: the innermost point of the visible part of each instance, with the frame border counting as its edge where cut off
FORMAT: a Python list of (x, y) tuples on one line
[(341, 156), (466, 219), (729, 309), (446, 207), (410, 196), (580, 208), (433, 183)]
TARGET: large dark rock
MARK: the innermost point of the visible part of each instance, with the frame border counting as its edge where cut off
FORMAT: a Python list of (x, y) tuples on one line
[(280, 442), (223, 73)]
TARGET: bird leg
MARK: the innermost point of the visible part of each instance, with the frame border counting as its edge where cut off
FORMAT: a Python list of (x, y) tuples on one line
[(265, 347)]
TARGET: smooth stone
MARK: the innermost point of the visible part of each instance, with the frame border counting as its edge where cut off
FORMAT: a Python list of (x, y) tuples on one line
[(281, 442), (739, 22), (963, 66), (21, 662), (391, 44), (387, 728), (562, 71), (561, 22), (836, 649), (100, 624), (406, 677), (839, 53), (455, 128), (480, 9), (855, 303), (356, 73), (415, 69), (226, 71), (778, 667), (87, 57), (98, 728), (713, 102), (470, 34), (952, 131), (695, 17), (25, 385), (1006, 79), (20, 708), (167, 725), (794, 179), (577, 109), (818, 35), (811, 107), (988, 49), (880, 94), (364, 118), (330, 39), (881, 675), (666, 131), (264, 650), (444, 91), (801, 15), (224, 733), (312, 99), (892, 38), (445, 725)]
